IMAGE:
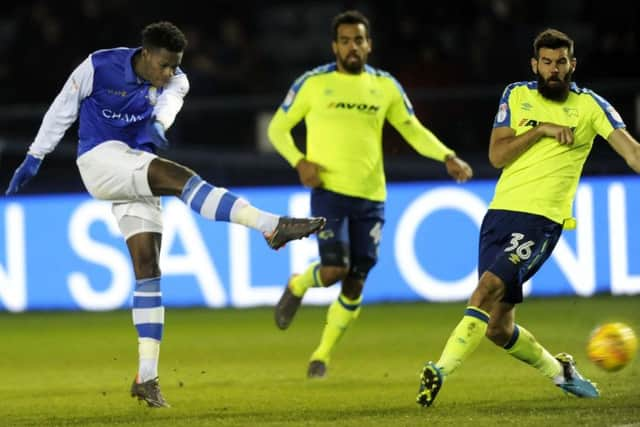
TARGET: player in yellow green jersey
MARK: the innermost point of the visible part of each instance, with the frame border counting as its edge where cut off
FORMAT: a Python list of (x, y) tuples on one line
[(541, 137), (344, 105)]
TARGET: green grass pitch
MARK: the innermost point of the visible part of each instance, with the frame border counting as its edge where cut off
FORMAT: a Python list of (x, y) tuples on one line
[(234, 368)]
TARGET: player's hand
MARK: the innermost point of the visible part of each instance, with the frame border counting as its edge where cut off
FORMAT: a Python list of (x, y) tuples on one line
[(23, 174), (309, 173), (458, 169), (155, 129), (563, 134)]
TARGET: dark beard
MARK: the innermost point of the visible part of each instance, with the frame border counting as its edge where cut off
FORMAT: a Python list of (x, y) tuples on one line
[(558, 92), (352, 67)]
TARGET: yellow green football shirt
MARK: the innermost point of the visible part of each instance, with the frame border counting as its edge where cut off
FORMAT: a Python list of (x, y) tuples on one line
[(543, 180), (344, 115)]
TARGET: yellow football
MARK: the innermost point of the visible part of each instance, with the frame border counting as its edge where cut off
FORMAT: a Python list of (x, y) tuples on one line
[(612, 346)]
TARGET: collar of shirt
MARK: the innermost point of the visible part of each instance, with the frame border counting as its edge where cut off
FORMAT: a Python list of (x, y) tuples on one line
[(130, 75)]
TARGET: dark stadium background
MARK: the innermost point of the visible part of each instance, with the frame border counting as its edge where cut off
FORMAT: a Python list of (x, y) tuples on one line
[(453, 58)]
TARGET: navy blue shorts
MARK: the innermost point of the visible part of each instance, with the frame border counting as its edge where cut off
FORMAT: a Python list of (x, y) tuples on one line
[(352, 234), (513, 246)]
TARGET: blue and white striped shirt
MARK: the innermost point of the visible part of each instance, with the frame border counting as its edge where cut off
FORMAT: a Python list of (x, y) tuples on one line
[(112, 103)]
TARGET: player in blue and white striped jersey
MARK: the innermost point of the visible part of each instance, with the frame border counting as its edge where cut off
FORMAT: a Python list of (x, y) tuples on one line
[(125, 99)]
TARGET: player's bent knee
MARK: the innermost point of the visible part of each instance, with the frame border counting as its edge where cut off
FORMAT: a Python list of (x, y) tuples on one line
[(360, 267), (168, 177), (352, 287), (491, 286), (497, 334), (331, 274)]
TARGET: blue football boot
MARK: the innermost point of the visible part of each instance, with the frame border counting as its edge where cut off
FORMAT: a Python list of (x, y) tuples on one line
[(574, 383)]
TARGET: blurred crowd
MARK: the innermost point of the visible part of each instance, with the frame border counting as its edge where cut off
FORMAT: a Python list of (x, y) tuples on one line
[(247, 47), (452, 57)]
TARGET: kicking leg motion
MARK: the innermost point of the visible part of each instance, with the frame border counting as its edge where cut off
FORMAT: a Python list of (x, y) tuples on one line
[(141, 223), (219, 204)]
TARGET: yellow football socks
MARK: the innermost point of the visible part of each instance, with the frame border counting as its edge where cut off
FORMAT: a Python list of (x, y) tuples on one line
[(523, 346), (464, 339), (309, 279), (341, 313)]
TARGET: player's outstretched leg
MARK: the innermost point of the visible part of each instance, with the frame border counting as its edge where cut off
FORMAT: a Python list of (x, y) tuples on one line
[(430, 384), (149, 391), (572, 382), (219, 204)]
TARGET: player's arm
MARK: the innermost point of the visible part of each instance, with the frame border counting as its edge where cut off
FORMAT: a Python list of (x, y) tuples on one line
[(422, 139), (428, 145), (291, 112), (171, 100), (62, 113), (626, 146), (403, 119), (505, 146), (609, 124), (279, 132), (64, 110), (167, 108)]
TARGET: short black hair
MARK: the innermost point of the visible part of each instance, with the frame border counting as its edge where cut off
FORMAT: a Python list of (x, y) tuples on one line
[(552, 39), (349, 17), (165, 35)]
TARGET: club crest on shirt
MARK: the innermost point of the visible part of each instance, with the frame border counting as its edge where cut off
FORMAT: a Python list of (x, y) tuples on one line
[(152, 95)]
